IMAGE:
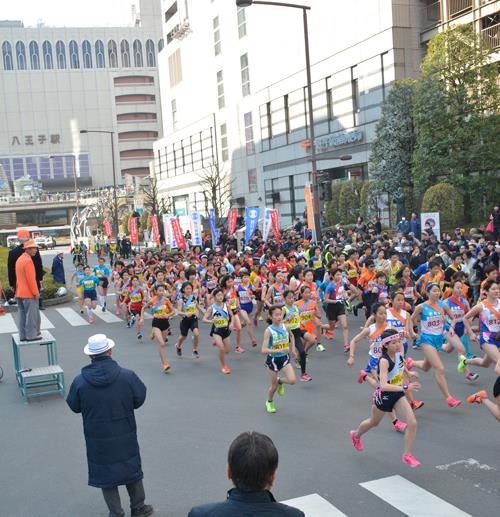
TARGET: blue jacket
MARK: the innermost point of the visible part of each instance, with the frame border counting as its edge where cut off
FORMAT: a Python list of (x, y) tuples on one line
[(107, 396), (246, 504), (415, 227), (58, 270)]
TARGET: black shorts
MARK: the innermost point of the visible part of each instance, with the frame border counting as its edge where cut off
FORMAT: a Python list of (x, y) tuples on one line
[(161, 323), (104, 282), (496, 388), (334, 310), (222, 332), (298, 335), (386, 400), (277, 363), (188, 324), (90, 295), (135, 312)]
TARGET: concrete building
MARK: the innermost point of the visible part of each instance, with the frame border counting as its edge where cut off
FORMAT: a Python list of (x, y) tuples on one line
[(99, 78), (233, 92)]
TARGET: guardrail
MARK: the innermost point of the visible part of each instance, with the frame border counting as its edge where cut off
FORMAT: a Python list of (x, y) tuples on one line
[(492, 35)]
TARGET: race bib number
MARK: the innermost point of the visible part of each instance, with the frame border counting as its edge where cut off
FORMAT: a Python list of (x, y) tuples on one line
[(89, 284), (135, 298), (398, 379), (190, 310), (221, 323)]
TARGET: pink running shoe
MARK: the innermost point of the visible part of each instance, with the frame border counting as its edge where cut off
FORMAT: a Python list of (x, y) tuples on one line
[(410, 460), (356, 442), (399, 426), (453, 402), (117, 312), (239, 350), (305, 377), (329, 335), (409, 363), (91, 319), (362, 376)]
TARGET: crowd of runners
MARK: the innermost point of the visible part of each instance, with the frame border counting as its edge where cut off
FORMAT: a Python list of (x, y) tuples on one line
[(416, 294)]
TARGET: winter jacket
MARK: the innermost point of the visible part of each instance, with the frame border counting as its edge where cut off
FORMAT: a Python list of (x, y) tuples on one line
[(58, 270), (247, 504), (107, 396)]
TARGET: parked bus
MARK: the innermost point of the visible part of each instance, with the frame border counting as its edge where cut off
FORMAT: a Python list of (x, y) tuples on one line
[(60, 234)]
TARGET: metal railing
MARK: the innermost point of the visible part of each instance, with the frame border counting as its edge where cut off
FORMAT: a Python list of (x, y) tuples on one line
[(456, 7), (492, 35), (61, 197), (432, 14)]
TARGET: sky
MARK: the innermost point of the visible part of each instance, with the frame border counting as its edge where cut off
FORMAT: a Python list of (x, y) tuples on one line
[(68, 13)]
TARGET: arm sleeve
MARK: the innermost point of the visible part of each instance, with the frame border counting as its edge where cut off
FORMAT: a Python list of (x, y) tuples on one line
[(31, 278), (73, 399), (139, 391)]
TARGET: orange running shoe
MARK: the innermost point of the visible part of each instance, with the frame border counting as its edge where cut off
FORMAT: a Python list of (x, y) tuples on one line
[(166, 367), (477, 397), (225, 369)]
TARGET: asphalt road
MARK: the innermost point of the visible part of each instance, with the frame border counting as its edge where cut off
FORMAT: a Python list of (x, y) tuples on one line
[(192, 414)]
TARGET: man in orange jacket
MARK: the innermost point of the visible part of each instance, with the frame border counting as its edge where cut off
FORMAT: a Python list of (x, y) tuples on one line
[(27, 294)]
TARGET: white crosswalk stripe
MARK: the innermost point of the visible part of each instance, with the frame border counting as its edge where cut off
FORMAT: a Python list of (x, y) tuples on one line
[(107, 316), (315, 506), (7, 324), (72, 317), (410, 499)]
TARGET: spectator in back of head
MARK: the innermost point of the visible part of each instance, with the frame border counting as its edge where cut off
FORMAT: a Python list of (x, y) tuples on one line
[(252, 464)]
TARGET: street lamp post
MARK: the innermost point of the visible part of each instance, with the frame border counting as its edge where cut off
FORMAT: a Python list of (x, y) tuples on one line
[(115, 200), (314, 168), (77, 195)]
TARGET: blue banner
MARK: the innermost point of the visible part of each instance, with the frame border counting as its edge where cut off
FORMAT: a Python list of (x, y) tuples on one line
[(251, 220), (215, 235)]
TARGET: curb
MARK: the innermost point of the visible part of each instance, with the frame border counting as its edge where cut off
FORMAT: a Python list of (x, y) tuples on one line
[(46, 303)]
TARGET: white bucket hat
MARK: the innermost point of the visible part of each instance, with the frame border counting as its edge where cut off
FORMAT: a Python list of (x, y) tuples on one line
[(98, 344)]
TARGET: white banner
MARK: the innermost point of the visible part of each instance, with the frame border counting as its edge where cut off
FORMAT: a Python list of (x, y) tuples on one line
[(266, 224), (431, 219), (167, 229), (196, 228)]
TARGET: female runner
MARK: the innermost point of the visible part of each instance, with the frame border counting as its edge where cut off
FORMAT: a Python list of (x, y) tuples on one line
[(246, 300), (231, 294), (162, 310), (274, 295), (219, 316), (390, 395), (187, 307), (481, 397), (488, 311), (277, 342), (302, 338), (432, 317), (310, 317)]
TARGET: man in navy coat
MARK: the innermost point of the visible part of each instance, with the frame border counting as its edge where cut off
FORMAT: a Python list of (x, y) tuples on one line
[(252, 464), (106, 395)]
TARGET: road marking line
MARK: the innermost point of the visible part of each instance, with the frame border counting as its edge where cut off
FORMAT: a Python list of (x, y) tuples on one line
[(410, 499), (7, 324), (107, 316), (315, 506), (45, 322), (72, 317)]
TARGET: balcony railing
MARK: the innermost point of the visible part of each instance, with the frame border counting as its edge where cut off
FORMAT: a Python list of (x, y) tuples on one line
[(457, 7), (432, 14), (492, 35)]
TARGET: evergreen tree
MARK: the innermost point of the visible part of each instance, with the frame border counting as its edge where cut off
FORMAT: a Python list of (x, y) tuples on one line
[(392, 150), (456, 114)]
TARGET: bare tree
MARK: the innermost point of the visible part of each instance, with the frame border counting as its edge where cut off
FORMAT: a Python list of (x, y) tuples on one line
[(217, 188), (103, 208), (153, 200)]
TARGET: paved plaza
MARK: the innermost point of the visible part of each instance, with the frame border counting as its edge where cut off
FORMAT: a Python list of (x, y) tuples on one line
[(192, 414)]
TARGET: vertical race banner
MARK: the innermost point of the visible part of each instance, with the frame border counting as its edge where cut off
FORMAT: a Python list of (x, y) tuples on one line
[(276, 226), (155, 229), (309, 206), (215, 235), (167, 230), (251, 220), (134, 234), (107, 229), (267, 224), (232, 217), (195, 221), (178, 235)]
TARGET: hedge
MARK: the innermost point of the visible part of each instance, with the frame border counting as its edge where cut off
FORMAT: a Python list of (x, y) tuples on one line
[(445, 199)]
